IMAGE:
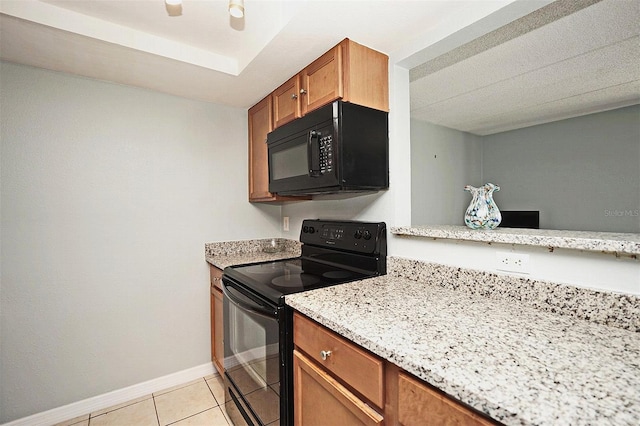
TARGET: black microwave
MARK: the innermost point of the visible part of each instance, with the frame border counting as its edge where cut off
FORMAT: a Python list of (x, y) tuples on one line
[(341, 147)]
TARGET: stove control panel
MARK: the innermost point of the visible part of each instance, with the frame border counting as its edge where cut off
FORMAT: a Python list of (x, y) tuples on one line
[(360, 237)]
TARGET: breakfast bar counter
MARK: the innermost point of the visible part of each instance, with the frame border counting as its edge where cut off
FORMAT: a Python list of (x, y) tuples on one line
[(519, 364)]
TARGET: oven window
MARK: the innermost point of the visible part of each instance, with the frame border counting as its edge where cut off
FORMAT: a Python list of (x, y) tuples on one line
[(290, 162), (252, 360)]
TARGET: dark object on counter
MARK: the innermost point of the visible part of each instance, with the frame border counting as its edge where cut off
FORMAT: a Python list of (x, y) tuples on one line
[(258, 326), (520, 219), (341, 147)]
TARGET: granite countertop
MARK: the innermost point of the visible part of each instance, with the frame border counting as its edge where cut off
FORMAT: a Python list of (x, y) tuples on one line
[(228, 253), (518, 364), (608, 242)]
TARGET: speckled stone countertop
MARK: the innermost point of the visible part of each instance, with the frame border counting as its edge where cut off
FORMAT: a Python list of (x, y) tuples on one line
[(609, 242), (228, 253), (519, 364)]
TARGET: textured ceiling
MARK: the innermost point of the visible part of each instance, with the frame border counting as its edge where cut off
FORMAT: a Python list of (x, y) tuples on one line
[(204, 54), (567, 59), (477, 66)]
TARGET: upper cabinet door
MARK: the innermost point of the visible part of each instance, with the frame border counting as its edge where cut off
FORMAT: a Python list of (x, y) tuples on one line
[(260, 120), (286, 105), (322, 80), (260, 124)]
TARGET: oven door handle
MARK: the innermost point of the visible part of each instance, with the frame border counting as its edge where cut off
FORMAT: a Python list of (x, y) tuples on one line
[(245, 302)]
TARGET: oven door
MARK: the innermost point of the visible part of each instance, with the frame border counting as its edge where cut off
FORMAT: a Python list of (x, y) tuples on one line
[(251, 356), (305, 161)]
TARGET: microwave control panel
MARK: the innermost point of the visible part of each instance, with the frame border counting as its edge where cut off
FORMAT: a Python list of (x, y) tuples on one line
[(326, 154)]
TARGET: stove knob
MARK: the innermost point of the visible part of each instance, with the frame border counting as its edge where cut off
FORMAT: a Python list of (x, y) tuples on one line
[(367, 235), (358, 234), (311, 230), (305, 229)]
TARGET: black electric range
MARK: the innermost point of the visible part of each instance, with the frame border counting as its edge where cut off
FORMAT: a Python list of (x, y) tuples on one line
[(258, 339)]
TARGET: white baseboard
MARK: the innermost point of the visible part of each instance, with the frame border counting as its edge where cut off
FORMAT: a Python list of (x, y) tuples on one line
[(109, 399)]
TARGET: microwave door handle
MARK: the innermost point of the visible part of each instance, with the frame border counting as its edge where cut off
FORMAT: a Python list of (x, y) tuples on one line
[(313, 154)]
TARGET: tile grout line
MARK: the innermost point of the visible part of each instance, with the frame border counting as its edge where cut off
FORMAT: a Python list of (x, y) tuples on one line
[(195, 414), (220, 405), (212, 394), (155, 407), (192, 415)]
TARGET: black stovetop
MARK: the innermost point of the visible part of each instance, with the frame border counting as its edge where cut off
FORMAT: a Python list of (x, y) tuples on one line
[(274, 280), (333, 252)]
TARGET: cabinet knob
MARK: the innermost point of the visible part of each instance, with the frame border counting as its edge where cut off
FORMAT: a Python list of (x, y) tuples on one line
[(303, 92), (325, 354), (294, 96)]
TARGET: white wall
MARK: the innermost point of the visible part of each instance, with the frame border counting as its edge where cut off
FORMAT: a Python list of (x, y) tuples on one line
[(108, 194), (581, 173), (443, 161)]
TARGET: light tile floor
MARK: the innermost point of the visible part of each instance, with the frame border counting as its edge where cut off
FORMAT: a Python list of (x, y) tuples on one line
[(196, 403)]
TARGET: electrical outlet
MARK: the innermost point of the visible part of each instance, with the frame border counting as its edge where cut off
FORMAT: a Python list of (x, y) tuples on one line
[(285, 223), (513, 262)]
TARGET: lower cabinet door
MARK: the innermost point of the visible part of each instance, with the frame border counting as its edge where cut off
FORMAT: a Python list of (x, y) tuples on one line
[(321, 400), (218, 344), (419, 405)]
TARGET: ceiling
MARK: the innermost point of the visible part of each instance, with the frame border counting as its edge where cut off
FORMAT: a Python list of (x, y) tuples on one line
[(477, 66), (205, 54), (567, 59)]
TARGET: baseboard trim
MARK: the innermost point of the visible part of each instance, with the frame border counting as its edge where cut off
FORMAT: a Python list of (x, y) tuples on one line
[(109, 399)]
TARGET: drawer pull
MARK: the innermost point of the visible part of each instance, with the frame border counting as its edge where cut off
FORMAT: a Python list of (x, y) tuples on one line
[(325, 354)]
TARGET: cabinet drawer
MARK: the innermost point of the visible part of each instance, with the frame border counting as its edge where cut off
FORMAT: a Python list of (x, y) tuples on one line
[(319, 399), (420, 405), (359, 369)]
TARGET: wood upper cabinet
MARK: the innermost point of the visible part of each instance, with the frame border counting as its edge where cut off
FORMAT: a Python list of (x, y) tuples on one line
[(323, 79), (286, 105), (217, 329), (349, 71), (260, 124)]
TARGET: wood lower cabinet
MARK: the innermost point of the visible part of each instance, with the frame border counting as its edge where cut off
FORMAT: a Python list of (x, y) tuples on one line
[(319, 399), (217, 321), (421, 405), (360, 369), (335, 381), (338, 382)]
